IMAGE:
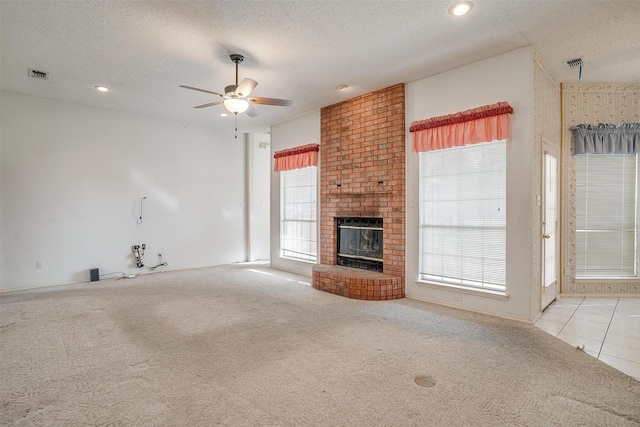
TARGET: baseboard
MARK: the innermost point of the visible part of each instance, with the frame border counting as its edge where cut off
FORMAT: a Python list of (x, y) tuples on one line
[(473, 310), (598, 295), (51, 285), (76, 282)]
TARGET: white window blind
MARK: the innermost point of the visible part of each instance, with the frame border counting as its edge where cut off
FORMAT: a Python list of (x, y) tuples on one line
[(463, 215), (298, 232), (606, 211)]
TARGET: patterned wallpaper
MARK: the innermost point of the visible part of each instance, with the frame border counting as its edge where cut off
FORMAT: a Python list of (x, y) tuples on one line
[(591, 104), (546, 125)]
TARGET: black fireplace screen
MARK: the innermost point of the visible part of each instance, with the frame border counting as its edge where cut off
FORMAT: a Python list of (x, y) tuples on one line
[(360, 243)]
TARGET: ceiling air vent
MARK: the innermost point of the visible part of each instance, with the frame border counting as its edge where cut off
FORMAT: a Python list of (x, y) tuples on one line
[(37, 74), (574, 63)]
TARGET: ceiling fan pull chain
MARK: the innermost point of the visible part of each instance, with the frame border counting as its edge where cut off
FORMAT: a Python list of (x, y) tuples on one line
[(236, 114)]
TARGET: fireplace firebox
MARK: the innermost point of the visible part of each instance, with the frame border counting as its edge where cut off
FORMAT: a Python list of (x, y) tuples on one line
[(360, 243)]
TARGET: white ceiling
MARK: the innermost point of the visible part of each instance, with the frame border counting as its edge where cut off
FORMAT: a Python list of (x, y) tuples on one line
[(298, 50)]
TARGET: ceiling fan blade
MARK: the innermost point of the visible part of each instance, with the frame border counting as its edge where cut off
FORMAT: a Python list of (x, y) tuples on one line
[(246, 87), (201, 90), (271, 101), (251, 111), (211, 104)]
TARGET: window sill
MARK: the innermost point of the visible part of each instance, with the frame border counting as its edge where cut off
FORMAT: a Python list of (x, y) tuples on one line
[(608, 279), (307, 261), (464, 290)]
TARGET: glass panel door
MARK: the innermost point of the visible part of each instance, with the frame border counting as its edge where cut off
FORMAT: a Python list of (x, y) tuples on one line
[(550, 234)]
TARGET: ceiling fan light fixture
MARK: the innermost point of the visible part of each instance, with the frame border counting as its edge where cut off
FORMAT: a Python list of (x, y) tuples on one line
[(236, 105), (461, 8)]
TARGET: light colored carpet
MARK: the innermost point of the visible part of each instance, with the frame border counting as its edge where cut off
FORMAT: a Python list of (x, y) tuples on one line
[(248, 345)]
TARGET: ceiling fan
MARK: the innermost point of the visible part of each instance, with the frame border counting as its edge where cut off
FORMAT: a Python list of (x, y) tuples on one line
[(236, 97)]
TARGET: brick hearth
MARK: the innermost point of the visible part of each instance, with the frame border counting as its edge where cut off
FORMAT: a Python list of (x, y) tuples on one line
[(362, 174), (356, 283)]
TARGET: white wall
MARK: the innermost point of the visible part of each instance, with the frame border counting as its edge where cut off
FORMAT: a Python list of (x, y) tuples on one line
[(72, 181), (506, 77), (258, 177), (299, 131)]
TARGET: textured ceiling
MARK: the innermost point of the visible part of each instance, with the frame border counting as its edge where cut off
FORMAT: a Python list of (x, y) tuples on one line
[(298, 50)]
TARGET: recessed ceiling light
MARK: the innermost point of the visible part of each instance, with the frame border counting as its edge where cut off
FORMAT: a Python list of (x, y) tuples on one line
[(102, 88), (342, 87), (461, 8), (224, 114)]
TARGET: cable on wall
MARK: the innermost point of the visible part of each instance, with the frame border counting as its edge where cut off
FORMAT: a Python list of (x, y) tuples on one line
[(159, 264), (138, 250), (139, 220), (120, 273)]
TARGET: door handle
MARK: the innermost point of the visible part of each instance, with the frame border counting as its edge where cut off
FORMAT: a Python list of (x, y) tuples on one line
[(546, 236)]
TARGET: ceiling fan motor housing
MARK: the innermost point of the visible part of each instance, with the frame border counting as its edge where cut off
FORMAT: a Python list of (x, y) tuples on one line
[(236, 57)]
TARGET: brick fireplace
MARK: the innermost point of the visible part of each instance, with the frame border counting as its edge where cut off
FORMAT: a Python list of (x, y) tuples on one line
[(362, 175)]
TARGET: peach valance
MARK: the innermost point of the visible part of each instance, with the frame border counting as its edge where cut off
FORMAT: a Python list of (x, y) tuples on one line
[(296, 158), (483, 124)]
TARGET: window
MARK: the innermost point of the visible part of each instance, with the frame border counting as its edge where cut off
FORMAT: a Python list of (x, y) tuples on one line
[(606, 212), (463, 216), (298, 214)]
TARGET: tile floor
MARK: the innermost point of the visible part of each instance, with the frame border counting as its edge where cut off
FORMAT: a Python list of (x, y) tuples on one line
[(609, 328)]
